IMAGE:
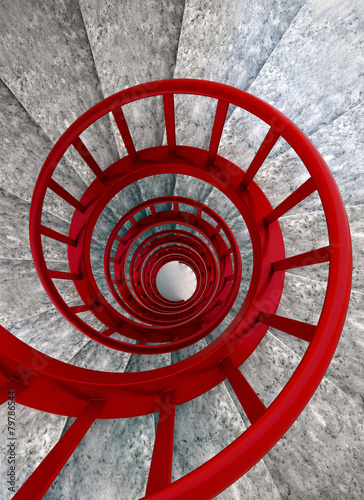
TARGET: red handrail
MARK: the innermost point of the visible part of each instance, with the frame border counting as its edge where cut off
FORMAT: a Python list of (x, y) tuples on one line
[(69, 387)]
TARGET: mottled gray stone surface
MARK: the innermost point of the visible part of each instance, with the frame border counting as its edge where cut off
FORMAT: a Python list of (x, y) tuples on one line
[(304, 77), (22, 294), (14, 230), (177, 356), (96, 356), (138, 363), (156, 186), (205, 426), (24, 148), (342, 146), (36, 434), (50, 333), (302, 299), (306, 232), (222, 205), (346, 368), (269, 368), (111, 461), (303, 233), (47, 63), (194, 116), (241, 137), (227, 43), (134, 46), (191, 188), (321, 456), (328, 433)]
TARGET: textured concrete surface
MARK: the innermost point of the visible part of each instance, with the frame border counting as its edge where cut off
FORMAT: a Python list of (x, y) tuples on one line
[(47, 63), (321, 456), (227, 43), (22, 156), (106, 456), (36, 434), (134, 46), (327, 435), (346, 367), (303, 77), (63, 344), (14, 230), (305, 58), (205, 426), (22, 294), (96, 356)]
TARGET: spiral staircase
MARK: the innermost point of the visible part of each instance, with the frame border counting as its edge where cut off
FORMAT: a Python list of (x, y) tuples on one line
[(148, 161)]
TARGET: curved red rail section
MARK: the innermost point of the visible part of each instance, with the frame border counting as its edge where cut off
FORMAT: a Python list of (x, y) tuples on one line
[(133, 257)]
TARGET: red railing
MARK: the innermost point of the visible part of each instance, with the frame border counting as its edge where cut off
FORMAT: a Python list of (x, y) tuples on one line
[(88, 394)]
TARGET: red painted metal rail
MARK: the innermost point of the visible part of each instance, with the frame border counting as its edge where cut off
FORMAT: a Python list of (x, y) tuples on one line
[(133, 257)]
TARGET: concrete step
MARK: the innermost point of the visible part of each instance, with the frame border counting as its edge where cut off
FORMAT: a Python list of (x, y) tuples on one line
[(111, 461), (306, 232), (204, 427), (303, 77), (22, 155), (47, 63), (327, 437), (50, 333), (21, 158), (94, 356), (228, 44), (340, 143), (14, 230), (36, 433), (134, 45), (302, 299), (229, 48), (22, 294), (113, 449)]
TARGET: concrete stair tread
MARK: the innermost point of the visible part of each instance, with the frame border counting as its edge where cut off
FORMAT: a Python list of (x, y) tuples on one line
[(18, 277), (304, 58), (152, 32), (228, 48), (205, 426), (22, 156), (50, 333), (105, 457), (36, 433), (327, 435), (345, 369), (56, 44), (304, 65), (341, 145)]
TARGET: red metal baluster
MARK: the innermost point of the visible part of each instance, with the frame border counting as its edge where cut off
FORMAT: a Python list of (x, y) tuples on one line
[(299, 329), (79, 309), (62, 275), (39, 482), (125, 133), (65, 195), (249, 400), (55, 235), (220, 116), (168, 103), (266, 147), (293, 199), (160, 471), (316, 256), (89, 159)]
